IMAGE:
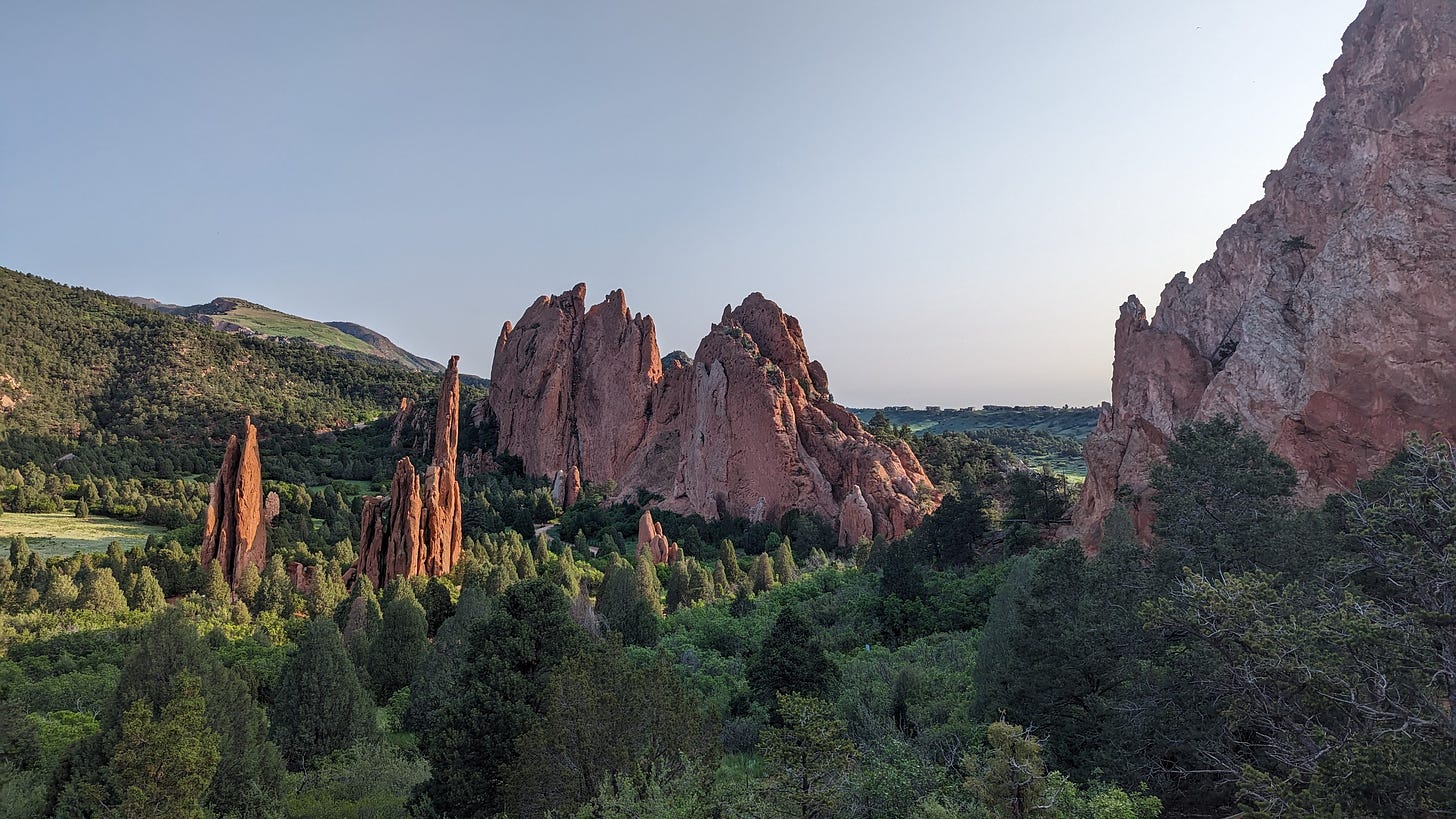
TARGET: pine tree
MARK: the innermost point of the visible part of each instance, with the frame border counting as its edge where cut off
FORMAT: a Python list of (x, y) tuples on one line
[(275, 592), (60, 593), (320, 706), (790, 659), (403, 637), (728, 560), (721, 586), (362, 620), (677, 586), (147, 595), (437, 603), (647, 583), (215, 587), (784, 568), (700, 584), (162, 767), (810, 757), (101, 593), (248, 585), (326, 592), (1013, 783), (761, 577), (83, 510)]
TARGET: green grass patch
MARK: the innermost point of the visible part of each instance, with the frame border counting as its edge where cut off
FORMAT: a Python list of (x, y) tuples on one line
[(273, 323), (58, 534)]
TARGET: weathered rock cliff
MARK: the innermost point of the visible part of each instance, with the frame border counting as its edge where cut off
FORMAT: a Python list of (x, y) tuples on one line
[(746, 428), (235, 527), (1324, 319)]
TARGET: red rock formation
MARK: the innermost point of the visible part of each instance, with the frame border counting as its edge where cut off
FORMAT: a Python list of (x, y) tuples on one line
[(570, 386), (416, 529), (441, 490), (401, 419), (573, 486), (1323, 320), (585, 388), (856, 522), (303, 577), (234, 530)]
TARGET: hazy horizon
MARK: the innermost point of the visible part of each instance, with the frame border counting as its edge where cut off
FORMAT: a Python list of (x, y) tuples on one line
[(954, 203)]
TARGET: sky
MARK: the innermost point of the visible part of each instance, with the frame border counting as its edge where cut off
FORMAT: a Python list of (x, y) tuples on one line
[(954, 198)]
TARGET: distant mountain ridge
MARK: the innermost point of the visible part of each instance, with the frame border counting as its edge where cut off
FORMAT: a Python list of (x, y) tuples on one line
[(246, 318)]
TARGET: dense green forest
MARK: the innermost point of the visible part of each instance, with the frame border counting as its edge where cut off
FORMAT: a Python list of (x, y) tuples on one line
[(1259, 658), (1043, 436)]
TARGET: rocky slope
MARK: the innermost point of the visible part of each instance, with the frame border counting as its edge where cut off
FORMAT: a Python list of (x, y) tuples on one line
[(1325, 318), (746, 428)]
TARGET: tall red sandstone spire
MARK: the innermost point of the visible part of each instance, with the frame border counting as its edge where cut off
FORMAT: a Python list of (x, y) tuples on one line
[(234, 530), (1324, 319), (417, 528)]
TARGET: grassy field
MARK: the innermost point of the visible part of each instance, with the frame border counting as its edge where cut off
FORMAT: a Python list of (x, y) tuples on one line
[(273, 323), (61, 533)]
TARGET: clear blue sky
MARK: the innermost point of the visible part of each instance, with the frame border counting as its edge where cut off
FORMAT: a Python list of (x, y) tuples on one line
[(953, 197)]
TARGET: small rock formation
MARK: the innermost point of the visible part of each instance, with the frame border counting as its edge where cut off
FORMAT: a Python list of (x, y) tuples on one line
[(1324, 319), (573, 487), (651, 540), (856, 522), (401, 419), (558, 488), (416, 529), (303, 577), (746, 427), (234, 530)]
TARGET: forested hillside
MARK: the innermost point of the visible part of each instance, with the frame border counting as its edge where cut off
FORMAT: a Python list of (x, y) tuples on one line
[(75, 363)]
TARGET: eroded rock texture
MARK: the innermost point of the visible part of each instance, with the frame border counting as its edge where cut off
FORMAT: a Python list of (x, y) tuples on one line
[(416, 529), (235, 526), (1324, 319), (746, 428)]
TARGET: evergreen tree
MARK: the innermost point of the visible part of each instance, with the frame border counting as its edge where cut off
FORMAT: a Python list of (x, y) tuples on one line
[(700, 585), (215, 587), (623, 609), (438, 676), (437, 604), (162, 767), (790, 660), (275, 591), (320, 706), (1013, 782), (677, 586), (810, 757), (728, 559), (326, 592), (503, 694), (403, 636), (147, 594), (60, 593), (721, 584), (647, 583), (83, 510), (101, 593), (248, 584), (761, 577), (784, 568), (363, 620)]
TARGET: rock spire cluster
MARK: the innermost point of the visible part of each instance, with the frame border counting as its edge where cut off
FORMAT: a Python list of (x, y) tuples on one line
[(1323, 321), (416, 528), (747, 427)]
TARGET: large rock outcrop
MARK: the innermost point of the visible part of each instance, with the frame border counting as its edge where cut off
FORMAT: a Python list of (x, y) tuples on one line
[(746, 428), (1324, 320), (416, 529), (235, 528)]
